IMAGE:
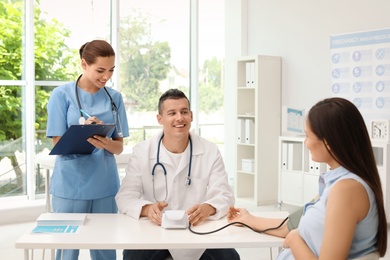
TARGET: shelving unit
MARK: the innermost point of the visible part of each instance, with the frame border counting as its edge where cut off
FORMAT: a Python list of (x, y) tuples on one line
[(259, 126), (298, 174)]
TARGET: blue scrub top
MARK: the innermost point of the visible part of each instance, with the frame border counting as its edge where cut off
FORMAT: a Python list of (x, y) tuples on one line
[(80, 176)]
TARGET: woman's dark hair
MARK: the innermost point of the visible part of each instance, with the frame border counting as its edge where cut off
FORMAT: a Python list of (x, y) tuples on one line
[(89, 51), (171, 94), (339, 124)]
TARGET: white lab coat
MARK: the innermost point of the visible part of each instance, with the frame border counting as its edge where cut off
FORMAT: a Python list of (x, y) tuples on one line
[(209, 182)]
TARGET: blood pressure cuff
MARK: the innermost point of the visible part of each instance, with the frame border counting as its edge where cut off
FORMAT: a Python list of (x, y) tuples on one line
[(294, 218)]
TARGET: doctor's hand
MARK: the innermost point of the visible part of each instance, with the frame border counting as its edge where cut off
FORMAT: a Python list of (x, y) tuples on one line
[(154, 211), (199, 213)]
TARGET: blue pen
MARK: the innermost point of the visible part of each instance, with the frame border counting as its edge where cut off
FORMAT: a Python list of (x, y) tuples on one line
[(85, 113)]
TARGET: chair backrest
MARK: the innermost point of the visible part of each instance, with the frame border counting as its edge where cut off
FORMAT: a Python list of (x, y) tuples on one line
[(371, 256)]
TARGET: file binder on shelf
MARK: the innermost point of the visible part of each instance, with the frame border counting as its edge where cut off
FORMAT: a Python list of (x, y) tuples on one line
[(249, 131), (241, 131), (252, 78), (250, 74)]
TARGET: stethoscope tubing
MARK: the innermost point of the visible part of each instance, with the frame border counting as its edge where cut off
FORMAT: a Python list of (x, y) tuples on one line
[(114, 108), (158, 163)]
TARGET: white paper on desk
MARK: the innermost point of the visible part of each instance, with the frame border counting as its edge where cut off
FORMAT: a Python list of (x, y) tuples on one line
[(61, 219)]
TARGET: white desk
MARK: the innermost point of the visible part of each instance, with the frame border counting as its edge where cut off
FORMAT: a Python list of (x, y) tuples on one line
[(117, 231), (47, 162)]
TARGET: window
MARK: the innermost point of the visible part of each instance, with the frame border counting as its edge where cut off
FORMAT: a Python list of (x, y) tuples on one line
[(211, 62), (12, 87), (154, 55)]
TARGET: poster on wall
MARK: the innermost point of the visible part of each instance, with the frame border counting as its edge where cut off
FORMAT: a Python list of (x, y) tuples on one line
[(360, 71)]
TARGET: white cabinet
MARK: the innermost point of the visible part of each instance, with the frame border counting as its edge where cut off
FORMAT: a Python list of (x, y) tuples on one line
[(258, 120), (298, 174), (382, 157)]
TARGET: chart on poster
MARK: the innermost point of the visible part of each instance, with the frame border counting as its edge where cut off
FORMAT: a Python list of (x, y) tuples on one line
[(360, 71)]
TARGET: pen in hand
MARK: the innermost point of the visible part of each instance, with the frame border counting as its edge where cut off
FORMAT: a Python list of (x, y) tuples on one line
[(87, 115)]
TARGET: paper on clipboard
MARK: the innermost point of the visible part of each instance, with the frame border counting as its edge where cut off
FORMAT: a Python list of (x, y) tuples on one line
[(74, 141)]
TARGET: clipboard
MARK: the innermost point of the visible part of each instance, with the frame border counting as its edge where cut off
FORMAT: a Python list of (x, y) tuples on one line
[(74, 141)]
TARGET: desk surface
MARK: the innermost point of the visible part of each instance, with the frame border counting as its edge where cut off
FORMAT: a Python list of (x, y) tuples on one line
[(47, 161), (117, 231)]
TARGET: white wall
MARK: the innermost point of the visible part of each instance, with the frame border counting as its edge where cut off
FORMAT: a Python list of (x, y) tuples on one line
[(298, 31)]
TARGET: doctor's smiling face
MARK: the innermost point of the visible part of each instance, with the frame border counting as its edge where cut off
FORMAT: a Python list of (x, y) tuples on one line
[(175, 116)]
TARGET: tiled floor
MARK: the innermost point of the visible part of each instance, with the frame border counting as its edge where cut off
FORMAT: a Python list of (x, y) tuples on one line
[(10, 233)]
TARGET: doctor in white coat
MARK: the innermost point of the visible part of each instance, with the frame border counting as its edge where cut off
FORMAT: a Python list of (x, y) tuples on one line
[(189, 174)]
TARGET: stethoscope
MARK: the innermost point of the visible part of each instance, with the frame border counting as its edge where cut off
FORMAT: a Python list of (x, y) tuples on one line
[(188, 180), (114, 109)]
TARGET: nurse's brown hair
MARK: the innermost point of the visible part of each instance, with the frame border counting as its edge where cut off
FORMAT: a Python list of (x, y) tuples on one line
[(89, 51)]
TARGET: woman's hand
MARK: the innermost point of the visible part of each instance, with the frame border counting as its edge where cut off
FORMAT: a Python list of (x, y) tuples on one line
[(238, 215)]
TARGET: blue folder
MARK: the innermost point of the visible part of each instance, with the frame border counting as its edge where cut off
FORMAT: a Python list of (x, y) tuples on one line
[(74, 141)]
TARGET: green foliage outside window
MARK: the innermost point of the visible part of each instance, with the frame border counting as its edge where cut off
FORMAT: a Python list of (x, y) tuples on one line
[(144, 63), (53, 61)]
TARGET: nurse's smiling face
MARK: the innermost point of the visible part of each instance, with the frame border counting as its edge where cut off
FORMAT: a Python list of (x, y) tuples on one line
[(98, 73), (175, 117)]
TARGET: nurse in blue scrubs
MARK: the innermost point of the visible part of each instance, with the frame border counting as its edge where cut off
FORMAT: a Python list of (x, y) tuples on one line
[(88, 183)]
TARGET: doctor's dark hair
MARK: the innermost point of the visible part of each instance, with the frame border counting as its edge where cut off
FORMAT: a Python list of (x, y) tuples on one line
[(171, 94), (89, 51), (339, 124)]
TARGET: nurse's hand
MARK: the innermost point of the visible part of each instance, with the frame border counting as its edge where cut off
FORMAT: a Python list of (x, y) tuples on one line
[(199, 213), (99, 142), (93, 120), (154, 211)]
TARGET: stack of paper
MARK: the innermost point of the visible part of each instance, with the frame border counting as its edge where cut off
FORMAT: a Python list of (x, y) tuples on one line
[(54, 219), (60, 223)]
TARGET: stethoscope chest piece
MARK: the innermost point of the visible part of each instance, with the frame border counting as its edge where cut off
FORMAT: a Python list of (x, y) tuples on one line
[(81, 120)]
